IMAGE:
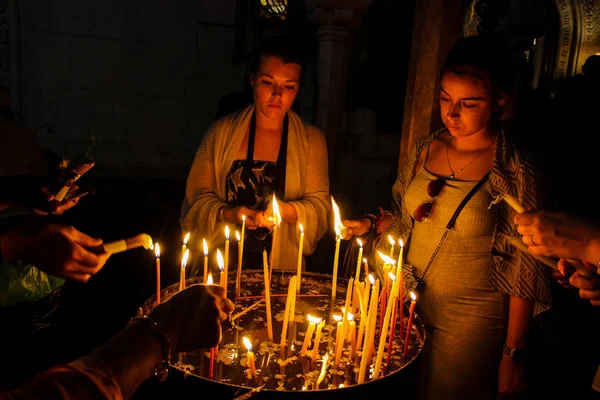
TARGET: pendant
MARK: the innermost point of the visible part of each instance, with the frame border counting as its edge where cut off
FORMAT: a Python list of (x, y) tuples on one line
[(451, 177)]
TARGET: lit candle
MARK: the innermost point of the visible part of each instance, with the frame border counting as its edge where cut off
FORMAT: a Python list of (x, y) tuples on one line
[(157, 252), (221, 264), (312, 323), (315, 350), (225, 261), (268, 296), (276, 218), (360, 257), (347, 304), (392, 242), (184, 245), (352, 335), (300, 246), (338, 234), (369, 333), (209, 280), (339, 339), (238, 276), (411, 313), (366, 267), (250, 357), (401, 286), (386, 323), (184, 261), (286, 314), (205, 246)]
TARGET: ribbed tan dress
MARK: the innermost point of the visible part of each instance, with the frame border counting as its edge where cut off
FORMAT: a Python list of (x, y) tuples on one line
[(464, 316)]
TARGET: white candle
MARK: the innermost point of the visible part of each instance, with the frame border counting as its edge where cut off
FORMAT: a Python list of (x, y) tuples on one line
[(352, 335), (323, 370), (315, 350), (513, 203), (157, 252), (268, 296), (339, 339), (226, 261), (369, 334), (221, 264), (360, 256), (250, 357), (286, 314), (205, 248), (184, 261), (300, 247), (312, 323), (393, 297)]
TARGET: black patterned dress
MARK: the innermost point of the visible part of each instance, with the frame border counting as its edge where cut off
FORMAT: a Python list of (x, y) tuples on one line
[(251, 183)]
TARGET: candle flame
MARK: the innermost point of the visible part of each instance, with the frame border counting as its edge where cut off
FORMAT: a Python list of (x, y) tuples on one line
[(314, 320), (186, 238), (359, 242), (372, 279), (301, 228), (243, 218), (386, 259), (337, 222), (185, 257), (220, 260), (350, 316), (401, 242), (157, 250), (323, 369), (209, 280), (413, 296), (341, 385), (237, 236), (226, 232), (337, 318), (276, 215), (247, 343), (392, 276), (205, 246), (391, 239), (365, 260)]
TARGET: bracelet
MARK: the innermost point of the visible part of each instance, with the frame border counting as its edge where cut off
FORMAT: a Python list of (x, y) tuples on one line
[(372, 219), (162, 370), (220, 218)]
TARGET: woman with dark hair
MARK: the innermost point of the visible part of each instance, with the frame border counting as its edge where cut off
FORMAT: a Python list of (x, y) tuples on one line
[(262, 150), (478, 294)]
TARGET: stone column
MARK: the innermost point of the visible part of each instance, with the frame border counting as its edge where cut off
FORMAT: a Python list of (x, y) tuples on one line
[(334, 20)]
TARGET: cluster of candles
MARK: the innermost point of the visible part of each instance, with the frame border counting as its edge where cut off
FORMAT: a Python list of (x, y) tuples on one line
[(361, 296)]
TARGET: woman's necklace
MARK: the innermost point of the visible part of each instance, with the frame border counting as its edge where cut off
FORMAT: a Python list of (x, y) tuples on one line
[(453, 174)]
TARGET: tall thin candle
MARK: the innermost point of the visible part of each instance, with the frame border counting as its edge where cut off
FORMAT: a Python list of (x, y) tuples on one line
[(238, 275), (184, 261), (315, 350), (221, 264), (300, 247), (338, 226), (268, 296), (286, 313), (411, 313), (369, 333), (359, 260), (401, 287), (157, 252), (225, 261), (276, 218), (386, 323), (205, 248)]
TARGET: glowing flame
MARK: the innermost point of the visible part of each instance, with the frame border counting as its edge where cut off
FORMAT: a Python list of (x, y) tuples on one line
[(360, 244), (186, 238), (323, 369), (350, 316), (337, 222), (276, 215), (185, 257), (301, 228), (413, 296), (226, 232), (243, 218), (314, 320), (237, 236), (372, 279), (209, 280), (386, 259), (157, 250), (365, 260), (401, 242), (337, 318), (392, 240), (205, 246), (392, 276), (247, 343), (220, 260)]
